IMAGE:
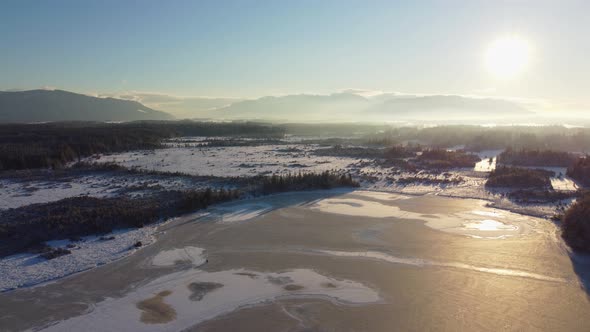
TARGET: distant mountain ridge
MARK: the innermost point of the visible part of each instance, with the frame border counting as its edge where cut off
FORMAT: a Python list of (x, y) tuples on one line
[(307, 107), (386, 107), (59, 105)]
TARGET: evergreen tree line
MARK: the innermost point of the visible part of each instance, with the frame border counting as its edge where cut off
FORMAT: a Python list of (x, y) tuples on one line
[(400, 151), (575, 225), (27, 226), (542, 196), (478, 138), (442, 158), (339, 150), (516, 177), (434, 158), (343, 149), (580, 171), (548, 158), (305, 181)]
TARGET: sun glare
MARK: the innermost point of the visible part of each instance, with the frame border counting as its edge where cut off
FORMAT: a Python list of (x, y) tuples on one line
[(507, 57)]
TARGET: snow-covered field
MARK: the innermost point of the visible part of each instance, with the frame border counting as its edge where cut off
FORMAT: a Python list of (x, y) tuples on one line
[(230, 161), (246, 161), (563, 183), (488, 160), (560, 181), (18, 193), (15, 193)]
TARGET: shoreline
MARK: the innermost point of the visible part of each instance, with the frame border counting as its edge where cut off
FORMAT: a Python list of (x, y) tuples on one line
[(81, 268), (25, 256)]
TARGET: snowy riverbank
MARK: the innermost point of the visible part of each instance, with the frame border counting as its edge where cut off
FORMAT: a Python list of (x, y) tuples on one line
[(29, 269)]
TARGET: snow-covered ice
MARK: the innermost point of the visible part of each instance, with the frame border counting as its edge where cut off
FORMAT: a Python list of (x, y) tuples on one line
[(243, 212), (234, 289), (192, 255), (424, 262), (484, 222)]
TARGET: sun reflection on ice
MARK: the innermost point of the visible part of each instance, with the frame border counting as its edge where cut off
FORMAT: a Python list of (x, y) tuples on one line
[(490, 225)]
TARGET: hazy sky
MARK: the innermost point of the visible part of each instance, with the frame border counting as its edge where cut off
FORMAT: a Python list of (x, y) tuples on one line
[(255, 48)]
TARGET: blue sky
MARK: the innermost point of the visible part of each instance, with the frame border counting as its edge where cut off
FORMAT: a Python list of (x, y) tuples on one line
[(256, 48)]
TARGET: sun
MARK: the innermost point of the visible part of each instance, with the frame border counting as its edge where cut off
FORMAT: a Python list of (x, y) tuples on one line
[(507, 57)]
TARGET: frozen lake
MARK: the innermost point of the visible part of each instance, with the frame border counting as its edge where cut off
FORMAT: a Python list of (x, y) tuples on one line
[(334, 260)]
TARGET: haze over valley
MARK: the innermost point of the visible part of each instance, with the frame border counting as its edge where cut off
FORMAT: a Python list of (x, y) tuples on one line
[(348, 106)]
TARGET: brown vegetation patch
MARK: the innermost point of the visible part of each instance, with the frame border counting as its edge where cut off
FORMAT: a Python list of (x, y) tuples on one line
[(155, 311)]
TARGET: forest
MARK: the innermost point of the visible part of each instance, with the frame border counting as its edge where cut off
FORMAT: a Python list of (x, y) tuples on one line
[(407, 157), (575, 225), (429, 180), (443, 159), (350, 151), (52, 145), (527, 196), (305, 181), (580, 171), (478, 138), (389, 153), (516, 177), (524, 157)]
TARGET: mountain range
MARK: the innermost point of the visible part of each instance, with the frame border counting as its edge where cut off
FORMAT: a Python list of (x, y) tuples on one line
[(59, 105), (386, 107)]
